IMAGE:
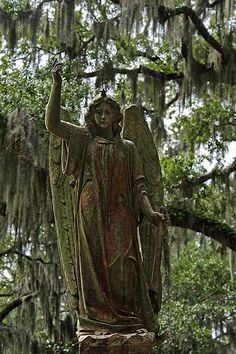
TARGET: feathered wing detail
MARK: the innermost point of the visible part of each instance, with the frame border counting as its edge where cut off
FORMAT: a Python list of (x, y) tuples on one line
[(62, 198), (136, 129)]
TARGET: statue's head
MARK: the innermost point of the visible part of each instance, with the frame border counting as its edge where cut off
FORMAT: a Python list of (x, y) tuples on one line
[(99, 101)]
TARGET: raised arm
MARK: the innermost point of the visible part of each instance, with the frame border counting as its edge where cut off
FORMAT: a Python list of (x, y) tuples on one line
[(52, 117)]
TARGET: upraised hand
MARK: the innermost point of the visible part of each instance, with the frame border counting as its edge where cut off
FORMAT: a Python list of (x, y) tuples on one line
[(56, 72)]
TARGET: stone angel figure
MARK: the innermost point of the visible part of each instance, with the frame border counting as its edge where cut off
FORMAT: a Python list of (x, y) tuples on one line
[(106, 190)]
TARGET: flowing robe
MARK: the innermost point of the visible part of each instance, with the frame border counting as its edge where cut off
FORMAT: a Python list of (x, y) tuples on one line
[(109, 183)]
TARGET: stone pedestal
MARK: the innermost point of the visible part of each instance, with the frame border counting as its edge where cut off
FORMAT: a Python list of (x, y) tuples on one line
[(117, 343)]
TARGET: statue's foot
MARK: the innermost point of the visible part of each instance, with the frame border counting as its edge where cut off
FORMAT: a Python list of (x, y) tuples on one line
[(84, 332), (142, 331), (102, 332)]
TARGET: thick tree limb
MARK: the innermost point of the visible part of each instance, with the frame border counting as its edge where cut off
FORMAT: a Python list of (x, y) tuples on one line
[(161, 75), (166, 13), (216, 172), (15, 303), (201, 69), (140, 70), (217, 230)]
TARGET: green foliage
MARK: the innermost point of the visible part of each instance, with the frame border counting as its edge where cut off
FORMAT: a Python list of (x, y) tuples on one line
[(178, 168), (209, 125), (201, 299), (13, 5), (24, 86), (198, 142), (21, 86)]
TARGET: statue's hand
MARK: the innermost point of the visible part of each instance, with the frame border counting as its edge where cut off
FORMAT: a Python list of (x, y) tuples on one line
[(157, 217), (56, 72)]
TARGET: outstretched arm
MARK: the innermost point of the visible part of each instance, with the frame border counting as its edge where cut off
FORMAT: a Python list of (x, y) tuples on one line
[(52, 117)]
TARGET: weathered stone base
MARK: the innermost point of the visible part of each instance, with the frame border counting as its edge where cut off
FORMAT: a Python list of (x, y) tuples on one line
[(117, 343), (127, 349)]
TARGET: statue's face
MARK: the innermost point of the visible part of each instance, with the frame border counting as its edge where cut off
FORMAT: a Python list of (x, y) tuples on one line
[(104, 115)]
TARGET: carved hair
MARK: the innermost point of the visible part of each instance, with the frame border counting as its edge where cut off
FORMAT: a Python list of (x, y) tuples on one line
[(89, 115)]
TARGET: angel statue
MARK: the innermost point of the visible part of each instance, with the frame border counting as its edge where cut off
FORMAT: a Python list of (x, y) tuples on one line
[(104, 189)]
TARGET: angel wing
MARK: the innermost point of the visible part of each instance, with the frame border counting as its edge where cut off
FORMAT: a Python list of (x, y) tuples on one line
[(62, 198), (136, 129)]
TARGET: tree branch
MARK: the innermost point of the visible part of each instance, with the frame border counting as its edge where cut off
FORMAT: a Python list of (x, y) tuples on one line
[(160, 74), (37, 259), (140, 70), (166, 13), (217, 291), (212, 174), (217, 230), (45, 50), (213, 4), (86, 43), (152, 58), (167, 105), (15, 303), (225, 124), (6, 295), (40, 5), (15, 251), (173, 100), (9, 250)]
